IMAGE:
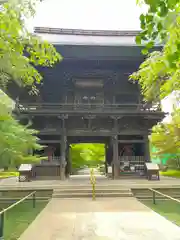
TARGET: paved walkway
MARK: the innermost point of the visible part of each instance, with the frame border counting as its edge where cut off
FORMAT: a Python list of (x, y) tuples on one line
[(103, 219)]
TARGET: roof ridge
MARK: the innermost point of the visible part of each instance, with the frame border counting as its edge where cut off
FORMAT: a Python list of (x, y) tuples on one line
[(70, 31)]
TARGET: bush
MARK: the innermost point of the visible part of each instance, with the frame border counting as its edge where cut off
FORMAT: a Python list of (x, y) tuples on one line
[(163, 168), (174, 163)]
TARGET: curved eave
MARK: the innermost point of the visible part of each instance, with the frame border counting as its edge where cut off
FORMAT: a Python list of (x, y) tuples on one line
[(63, 36), (67, 39), (88, 40)]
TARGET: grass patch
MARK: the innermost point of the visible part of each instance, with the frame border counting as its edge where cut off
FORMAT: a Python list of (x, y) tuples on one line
[(171, 173), (167, 208), (19, 218), (6, 174)]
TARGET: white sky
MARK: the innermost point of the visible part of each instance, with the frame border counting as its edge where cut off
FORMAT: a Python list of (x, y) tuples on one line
[(94, 14), (86, 14)]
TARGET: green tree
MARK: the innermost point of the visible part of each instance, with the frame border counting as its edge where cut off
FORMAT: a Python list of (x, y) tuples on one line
[(156, 21), (20, 53), (159, 74), (21, 50), (166, 139), (77, 157), (96, 154), (15, 139), (89, 155), (166, 136)]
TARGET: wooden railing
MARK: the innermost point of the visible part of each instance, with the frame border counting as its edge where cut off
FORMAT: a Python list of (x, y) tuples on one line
[(133, 159), (162, 194), (3, 212), (82, 107)]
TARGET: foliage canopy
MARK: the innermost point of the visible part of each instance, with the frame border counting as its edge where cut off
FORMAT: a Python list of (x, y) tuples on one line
[(21, 50), (159, 74), (15, 139), (166, 136), (89, 155)]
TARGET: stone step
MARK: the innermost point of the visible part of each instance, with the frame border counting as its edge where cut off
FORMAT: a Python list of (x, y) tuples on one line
[(89, 190), (89, 195), (89, 186), (79, 192)]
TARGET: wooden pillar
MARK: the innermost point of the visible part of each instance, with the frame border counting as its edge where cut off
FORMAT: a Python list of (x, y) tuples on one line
[(146, 149), (63, 151), (68, 160), (116, 164), (106, 158)]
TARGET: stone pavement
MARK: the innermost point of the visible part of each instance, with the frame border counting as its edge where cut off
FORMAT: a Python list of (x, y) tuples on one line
[(103, 219)]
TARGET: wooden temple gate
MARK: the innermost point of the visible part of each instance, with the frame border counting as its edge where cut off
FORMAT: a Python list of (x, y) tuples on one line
[(88, 94)]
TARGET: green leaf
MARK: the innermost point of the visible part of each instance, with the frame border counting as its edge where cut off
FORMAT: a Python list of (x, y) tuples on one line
[(153, 8), (154, 34), (149, 45), (149, 18), (152, 2), (144, 35), (142, 18), (163, 9), (159, 26), (150, 28), (143, 25), (138, 40), (144, 51), (171, 3)]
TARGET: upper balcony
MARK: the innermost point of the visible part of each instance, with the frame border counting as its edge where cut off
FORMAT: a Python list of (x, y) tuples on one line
[(76, 109)]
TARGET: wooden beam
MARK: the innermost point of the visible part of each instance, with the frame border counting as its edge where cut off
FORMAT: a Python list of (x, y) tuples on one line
[(49, 141), (132, 132), (50, 133), (89, 133), (131, 141)]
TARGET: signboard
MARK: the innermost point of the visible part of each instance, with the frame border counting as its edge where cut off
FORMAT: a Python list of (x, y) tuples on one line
[(109, 169), (152, 166), (25, 168)]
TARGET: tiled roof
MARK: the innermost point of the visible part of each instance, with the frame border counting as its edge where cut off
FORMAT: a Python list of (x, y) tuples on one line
[(66, 31)]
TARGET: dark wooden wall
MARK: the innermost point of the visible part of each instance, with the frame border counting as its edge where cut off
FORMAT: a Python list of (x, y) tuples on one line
[(58, 86)]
